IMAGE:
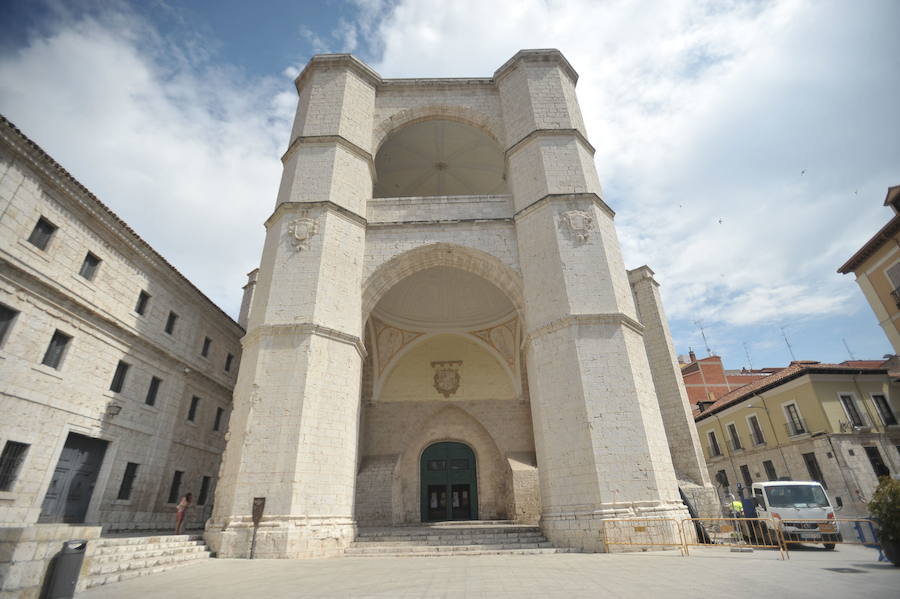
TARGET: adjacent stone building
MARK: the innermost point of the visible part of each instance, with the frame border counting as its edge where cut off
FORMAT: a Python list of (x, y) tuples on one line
[(877, 268), (116, 373), (442, 327), (834, 423)]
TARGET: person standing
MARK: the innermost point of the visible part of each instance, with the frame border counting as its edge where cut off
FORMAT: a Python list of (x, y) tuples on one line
[(181, 511)]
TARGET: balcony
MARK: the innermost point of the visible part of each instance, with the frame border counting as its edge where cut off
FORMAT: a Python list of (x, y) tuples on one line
[(796, 427), (849, 427)]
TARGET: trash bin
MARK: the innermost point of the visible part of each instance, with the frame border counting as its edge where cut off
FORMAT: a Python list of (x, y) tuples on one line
[(66, 567)]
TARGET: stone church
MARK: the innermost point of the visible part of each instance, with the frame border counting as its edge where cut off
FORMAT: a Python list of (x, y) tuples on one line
[(442, 326)]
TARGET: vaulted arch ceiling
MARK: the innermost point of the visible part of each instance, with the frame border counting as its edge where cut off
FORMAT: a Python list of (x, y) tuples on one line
[(439, 157)]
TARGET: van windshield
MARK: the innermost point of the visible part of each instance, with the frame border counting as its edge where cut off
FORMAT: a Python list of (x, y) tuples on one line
[(796, 496)]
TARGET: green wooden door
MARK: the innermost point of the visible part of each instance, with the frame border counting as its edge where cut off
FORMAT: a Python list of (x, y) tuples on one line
[(449, 490)]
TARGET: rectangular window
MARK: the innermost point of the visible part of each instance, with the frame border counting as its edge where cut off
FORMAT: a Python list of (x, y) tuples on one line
[(7, 316), (41, 234), (812, 467), (745, 473), (155, 382), (176, 485), (217, 423), (722, 478), (853, 414), (770, 470), (204, 491), (118, 381), (228, 359), (756, 434), (878, 464), (794, 422), (89, 266), (143, 300), (735, 439), (11, 461), (881, 402), (127, 481), (170, 322), (206, 343), (57, 348), (714, 449), (192, 411)]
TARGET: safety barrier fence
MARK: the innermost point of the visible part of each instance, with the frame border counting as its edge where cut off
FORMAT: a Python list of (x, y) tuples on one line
[(750, 533), (642, 532)]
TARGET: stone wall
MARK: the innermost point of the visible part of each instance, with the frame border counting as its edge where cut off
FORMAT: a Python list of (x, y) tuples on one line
[(44, 404)]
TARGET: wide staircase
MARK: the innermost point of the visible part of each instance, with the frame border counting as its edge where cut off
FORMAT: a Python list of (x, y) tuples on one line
[(451, 539), (116, 558)]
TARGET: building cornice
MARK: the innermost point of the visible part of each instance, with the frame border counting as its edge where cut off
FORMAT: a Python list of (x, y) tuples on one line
[(304, 328), (611, 318), (549, 55), (556, 197), (886, 234), (60, 179), (337, 61), (283, 207), (549, 133)]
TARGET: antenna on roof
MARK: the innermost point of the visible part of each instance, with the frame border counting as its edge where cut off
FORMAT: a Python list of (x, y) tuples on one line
[(790, 349), (747, 351), (850, 353), (699, 324)]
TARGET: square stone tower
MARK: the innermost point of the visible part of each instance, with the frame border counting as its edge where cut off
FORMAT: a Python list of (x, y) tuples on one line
[(442, 326)]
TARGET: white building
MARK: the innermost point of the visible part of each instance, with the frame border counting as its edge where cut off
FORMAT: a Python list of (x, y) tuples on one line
[(116, 373), (442, 327)]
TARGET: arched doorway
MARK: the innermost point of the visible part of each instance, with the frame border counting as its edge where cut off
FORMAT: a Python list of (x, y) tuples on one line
[(449, 489)]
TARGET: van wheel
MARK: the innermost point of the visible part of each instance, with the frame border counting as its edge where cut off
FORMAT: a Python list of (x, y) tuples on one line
[(829, 546)]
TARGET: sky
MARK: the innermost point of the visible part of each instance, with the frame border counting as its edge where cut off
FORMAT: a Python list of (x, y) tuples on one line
[(746, 146)]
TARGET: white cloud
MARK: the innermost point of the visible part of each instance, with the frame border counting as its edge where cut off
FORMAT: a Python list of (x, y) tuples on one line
[(704, 115), (186, 153)]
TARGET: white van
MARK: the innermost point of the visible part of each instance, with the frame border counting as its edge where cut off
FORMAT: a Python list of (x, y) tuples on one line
[(789, 503)]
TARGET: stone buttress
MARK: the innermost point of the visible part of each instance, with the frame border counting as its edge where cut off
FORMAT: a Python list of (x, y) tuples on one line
[(294, 431)]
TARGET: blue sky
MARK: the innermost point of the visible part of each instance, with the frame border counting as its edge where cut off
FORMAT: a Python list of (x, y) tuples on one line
[(745, 146)]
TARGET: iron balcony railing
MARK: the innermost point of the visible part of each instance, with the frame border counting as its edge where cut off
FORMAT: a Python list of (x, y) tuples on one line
[(796, 427)]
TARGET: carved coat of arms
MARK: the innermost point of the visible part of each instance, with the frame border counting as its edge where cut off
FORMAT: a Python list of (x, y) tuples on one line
[(301, 231), (446, 377), (580, 223)]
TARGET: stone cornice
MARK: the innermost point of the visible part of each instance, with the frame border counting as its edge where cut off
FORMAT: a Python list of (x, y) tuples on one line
[(81, 198), (327, 140), (555, 197), (614, 318), (548, 133), (544, 55), (449, 221), (304, 328), (337, 61), (641, 273), (326, 204)]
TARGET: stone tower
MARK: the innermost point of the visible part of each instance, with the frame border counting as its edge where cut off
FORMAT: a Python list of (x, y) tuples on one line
[(442, 326)]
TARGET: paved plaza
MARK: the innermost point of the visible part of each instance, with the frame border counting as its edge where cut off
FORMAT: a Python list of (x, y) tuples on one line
[(850, 571)]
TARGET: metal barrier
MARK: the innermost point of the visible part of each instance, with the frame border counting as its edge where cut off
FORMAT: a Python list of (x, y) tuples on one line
[(643, 532), (829, 532), (760, 533)]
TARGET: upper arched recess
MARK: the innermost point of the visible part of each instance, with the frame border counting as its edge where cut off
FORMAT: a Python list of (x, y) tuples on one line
[(439, 157)]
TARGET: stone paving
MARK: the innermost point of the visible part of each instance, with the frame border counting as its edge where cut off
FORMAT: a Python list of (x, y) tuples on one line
[(707, 573)]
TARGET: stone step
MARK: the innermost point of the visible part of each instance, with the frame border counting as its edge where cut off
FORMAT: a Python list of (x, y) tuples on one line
[(447, 531), (127, 550), (142, 539), (453, 539), (393, 548), (466, 553), (108, 563), (95, 580), (492, 540)]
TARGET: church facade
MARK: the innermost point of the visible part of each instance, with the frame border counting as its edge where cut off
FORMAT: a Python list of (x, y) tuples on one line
[(442, 326)]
